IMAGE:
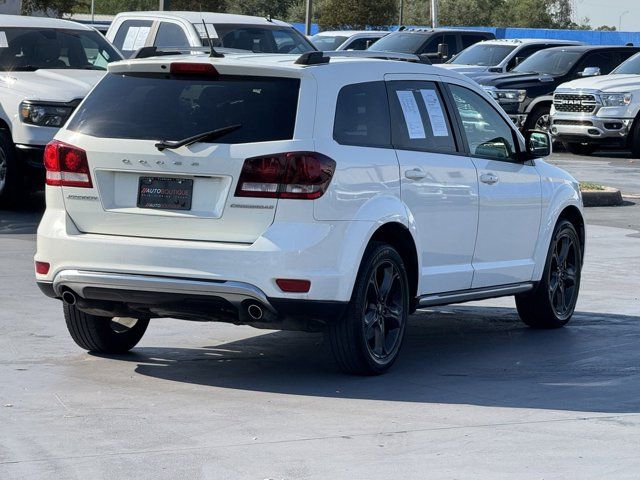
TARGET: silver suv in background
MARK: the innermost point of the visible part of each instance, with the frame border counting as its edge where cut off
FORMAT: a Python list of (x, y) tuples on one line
[(347, 39), (599, 112), (131, 31)]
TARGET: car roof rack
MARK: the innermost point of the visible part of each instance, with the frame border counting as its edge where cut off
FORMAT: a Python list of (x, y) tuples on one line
[(146, 52), (320, 58)]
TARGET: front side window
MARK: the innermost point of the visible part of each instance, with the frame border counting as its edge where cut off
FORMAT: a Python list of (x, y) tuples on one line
[(362, 116), (30, 49), (419, 118), (173, 107), (488, 134), (170, 35)]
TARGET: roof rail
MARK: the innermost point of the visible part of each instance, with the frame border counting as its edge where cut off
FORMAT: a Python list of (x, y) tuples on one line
[(146, 52), (319, 58)]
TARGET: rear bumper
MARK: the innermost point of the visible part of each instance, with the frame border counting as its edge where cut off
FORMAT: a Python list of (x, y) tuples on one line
[(145, 296)]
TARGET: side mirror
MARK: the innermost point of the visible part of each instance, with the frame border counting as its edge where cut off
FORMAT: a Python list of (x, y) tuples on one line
[(538, 144), (590, 72), (443, 50)]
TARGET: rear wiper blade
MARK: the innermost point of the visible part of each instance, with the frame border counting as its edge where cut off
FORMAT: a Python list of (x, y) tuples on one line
[(212, 135)]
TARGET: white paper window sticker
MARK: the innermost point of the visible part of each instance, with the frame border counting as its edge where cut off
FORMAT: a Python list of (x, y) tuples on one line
[(141, 37), (436, 115), (130, 38), (4, 43), (411, 114), (211, 30)]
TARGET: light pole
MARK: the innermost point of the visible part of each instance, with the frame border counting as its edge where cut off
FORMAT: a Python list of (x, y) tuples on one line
[(434, 13), (308, 18), (620, 20)]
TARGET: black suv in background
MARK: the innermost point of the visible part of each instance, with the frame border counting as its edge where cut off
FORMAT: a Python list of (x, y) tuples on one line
[(438, 45), (526, 93)]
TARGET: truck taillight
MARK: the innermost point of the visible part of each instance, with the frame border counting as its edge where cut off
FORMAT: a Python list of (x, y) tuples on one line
[(66, 165), (299, 175)]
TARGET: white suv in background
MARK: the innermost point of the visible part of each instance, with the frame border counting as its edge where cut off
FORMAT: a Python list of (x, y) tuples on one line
[(46, 67), (131, 31), (346, 39), (333, 194)]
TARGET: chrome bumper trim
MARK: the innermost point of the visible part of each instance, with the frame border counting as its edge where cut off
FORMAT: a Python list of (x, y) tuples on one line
[(234, 292), (596, 130)]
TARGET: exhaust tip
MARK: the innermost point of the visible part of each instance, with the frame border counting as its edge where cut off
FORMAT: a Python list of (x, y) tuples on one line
[(69, 297), (255, 312)]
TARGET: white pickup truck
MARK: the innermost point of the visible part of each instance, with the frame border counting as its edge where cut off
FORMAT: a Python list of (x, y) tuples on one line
[(599, 112), (47, 66)]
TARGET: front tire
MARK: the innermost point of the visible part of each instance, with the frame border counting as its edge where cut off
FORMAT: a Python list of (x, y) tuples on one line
[(103, 334), (539, 119), (552, 303), (10, 177), (367, 338)]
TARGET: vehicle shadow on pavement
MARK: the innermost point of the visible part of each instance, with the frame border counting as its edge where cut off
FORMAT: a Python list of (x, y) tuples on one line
[(22, 218), (455, 355)]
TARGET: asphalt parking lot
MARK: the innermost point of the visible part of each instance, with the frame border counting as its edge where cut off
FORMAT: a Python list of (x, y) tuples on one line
[(474, 395)]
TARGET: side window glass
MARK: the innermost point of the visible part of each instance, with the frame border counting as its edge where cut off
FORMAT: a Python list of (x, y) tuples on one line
[(362, 116), (452, 43), (361, 44), (132, 35), (523, 54), (432, 45), (604, 61), (487, 133), (468, 40), (170, 35), (419, 118)]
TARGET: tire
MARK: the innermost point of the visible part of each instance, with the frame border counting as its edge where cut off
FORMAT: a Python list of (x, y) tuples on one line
[(367, 338), (553, 301), (579, 148), (10, 177), (102, 334), (635, 140), (539, 119)]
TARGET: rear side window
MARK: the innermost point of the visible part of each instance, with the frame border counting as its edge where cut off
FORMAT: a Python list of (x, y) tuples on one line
[(170, 35), (419, 118), (132, 35), (362, 116), (170, 107)]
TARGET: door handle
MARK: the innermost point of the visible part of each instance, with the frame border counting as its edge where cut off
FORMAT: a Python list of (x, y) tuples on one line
[(415, 174), (489, 178)]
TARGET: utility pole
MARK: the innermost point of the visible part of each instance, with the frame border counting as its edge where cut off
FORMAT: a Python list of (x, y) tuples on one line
[(164, 5), (401, 19), (620, 20), (308, 18), (434, 13)]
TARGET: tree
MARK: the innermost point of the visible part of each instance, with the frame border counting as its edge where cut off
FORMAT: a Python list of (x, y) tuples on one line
[(467, 12), (55, 8), (357, 14), (261, 8), (417, 12)]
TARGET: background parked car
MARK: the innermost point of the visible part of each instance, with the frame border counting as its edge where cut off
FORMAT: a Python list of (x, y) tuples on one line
[(438, 44), (347, 39), (596, 112), (130, 31), (499, 56), (526, 93), (46, 67)]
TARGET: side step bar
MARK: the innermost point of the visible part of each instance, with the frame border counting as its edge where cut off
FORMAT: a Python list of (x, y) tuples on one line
[(461, 296)]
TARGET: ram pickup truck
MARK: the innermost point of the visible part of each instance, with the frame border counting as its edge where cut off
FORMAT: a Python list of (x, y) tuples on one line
[(599, 112), (47, 66), (526, 93)]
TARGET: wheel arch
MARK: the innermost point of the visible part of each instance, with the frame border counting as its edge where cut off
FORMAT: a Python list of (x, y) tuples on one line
[(546, 99), (574, 215)]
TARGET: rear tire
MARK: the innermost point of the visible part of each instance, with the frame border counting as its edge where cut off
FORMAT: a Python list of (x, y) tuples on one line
[(579, 148), (10, 177), (553, 301), (367, 338), (102, 334)]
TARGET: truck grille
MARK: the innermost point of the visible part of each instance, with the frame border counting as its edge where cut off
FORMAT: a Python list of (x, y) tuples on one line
[(568, 102)]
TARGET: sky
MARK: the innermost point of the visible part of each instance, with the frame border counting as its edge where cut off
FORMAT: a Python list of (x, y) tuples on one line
[(607, 12)]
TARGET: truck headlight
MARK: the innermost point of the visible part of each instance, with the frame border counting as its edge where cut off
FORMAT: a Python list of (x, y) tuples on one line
[(615, 99), (44, 114), (507, 96)]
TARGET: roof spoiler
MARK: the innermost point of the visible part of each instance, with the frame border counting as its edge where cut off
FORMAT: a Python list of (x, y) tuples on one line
[(146, 52), (320, 58)]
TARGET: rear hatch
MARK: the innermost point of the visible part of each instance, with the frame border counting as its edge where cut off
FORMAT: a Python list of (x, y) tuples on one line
[(143, 188)]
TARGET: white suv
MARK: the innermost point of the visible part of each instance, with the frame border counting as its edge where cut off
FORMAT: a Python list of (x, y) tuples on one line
[(307, 194)]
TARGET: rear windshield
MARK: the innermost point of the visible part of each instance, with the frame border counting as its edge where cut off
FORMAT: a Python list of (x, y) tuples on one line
[(170, 107), (30, 49)]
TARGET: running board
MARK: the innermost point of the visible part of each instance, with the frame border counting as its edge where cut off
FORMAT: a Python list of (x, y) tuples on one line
[(462, 296)]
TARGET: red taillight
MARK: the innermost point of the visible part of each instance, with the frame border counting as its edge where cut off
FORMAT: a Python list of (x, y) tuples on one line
[(186, 68), (293, 286), (300, 175), (42, 268), (66, 165)]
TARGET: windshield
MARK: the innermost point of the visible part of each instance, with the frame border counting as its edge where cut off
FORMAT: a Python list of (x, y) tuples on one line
[(630, 66), (29, 49), (257, 39), (328, 42), (550, 61), (483, 54), (174, 107), (399, 43)]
